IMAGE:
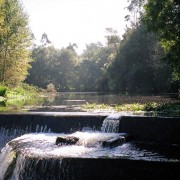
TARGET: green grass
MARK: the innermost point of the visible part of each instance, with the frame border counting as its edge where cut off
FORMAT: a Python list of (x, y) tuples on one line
[(116, 107), (20, 96), (136, 107)]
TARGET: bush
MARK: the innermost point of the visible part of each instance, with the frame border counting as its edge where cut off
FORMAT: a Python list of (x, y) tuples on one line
[(25, 89), (51, 88), (3, 90)]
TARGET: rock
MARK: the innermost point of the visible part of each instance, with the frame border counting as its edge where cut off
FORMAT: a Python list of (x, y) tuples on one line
[(113, 142), (67, 140), (116, 141)]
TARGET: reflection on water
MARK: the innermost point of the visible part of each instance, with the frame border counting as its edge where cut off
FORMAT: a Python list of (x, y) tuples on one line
[(72, 101)]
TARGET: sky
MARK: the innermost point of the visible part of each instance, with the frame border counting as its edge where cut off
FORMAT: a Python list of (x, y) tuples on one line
[(75, 21)]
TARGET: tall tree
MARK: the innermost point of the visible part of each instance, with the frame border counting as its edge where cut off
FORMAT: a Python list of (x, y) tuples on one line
[(15, 40), (137, 67), (45, 39), (54, 66), (112, 38), (162, 18), (135, 8), (1, 17), (44, 59)]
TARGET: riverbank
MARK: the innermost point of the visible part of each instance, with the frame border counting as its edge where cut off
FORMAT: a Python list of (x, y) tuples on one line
[(17, 97), (171, 107), (28, 98)]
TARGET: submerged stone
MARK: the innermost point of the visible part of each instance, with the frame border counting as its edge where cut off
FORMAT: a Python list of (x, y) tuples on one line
[(113, 142), (116, 141)]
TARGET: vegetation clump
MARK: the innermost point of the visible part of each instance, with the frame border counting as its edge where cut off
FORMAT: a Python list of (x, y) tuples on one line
[(20, 96), (173, 108), (3, 90), (51, 88)]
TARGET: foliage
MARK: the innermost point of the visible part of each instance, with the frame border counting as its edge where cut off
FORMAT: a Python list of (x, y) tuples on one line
[(135, 8), (52, 65), (20, 96), (149, 106), (116, 107), (137, 66), (131, 64), (162, 18), (164, 107), (3, 90), (22, 91), (14, 43), (51, 88), (94, 106)]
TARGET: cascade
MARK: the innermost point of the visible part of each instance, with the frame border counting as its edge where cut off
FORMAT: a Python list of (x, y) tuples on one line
[(36, 155), (7, 134), (111, 124)]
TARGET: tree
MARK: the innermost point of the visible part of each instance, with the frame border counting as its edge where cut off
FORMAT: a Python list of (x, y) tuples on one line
[(54, 66), (45, 40), (137, 66), (67, 59), (1, 18), (15, 40), (135, 8), (112, 38), (162, 18), (39, 73), (91, 71)]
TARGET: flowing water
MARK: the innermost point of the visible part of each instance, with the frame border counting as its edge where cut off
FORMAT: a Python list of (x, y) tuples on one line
[(32, 154), (7, 134)]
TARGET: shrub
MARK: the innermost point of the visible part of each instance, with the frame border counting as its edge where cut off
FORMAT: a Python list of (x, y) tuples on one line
[(51, 88), (3, 90)]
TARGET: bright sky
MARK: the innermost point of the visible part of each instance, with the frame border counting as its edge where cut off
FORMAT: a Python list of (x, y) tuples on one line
[(75, 21)]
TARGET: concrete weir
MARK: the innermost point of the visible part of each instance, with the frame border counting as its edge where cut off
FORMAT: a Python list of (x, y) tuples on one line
[(143, 128), (57, 122), (157, 134)]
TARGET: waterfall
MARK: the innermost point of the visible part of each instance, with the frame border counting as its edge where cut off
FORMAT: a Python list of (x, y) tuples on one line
[(35, 156), (111, 124), (7, 134), (38, 168), (24, 167)]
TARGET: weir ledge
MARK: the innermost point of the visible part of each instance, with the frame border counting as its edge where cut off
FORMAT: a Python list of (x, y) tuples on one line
[(163, 130), (142, 128)]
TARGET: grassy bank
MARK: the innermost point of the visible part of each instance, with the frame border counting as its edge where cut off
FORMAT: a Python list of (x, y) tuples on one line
[(15, 98), (173, 108)]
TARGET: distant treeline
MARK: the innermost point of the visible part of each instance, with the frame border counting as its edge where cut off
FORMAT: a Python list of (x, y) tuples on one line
[(144, 60)]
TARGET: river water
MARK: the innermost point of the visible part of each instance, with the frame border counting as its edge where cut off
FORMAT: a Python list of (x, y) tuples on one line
[(73, 101)]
